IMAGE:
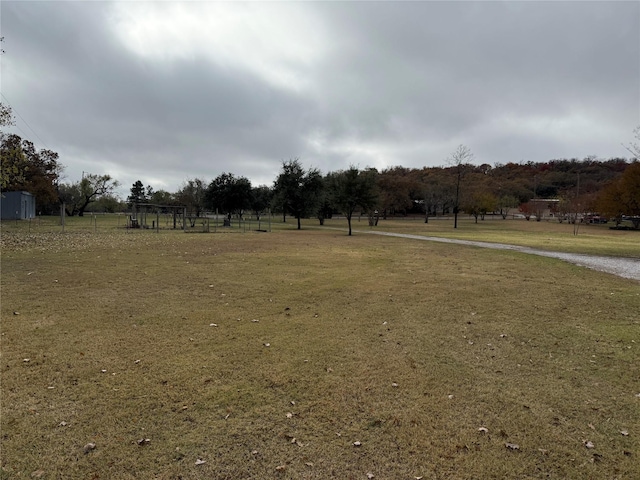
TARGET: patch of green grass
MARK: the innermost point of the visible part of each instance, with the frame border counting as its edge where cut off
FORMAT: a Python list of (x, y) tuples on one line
[(407, 347), (545, 235)]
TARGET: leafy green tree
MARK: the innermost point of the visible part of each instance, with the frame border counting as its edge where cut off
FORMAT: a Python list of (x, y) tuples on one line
[(138, 194), (260, 199), (160, 197), (77, 196), (192, 195), (14, 163), (298, 189), (505, 203), (352, 189), (108, 204), (229, 194), (325, 208)]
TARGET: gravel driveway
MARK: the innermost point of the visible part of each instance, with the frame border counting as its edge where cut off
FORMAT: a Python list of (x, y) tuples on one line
[(623, 267)]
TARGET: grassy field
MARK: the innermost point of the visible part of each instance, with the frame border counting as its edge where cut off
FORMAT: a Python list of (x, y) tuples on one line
[(310, 354), (545, 235)]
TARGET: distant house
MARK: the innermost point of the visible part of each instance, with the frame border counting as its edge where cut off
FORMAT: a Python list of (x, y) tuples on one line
[(17, 206)]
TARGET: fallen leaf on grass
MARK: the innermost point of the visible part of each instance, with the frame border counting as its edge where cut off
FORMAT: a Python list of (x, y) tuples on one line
[(512, 446), (394, 384), (254, 452), (63, 424), (588, 444), (89, 446), (370, 475), (357, 444), (624, 432), (26, 360), (267, 344), (213, 324), (143, 441), (280, 468), (289, 415), (483, 430), (37, 474), (200, 462)]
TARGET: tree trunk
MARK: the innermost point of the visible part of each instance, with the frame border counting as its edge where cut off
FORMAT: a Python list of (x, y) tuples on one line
[(349, 222), (299, 227)]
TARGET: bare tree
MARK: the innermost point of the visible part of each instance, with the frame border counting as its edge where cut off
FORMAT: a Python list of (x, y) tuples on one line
[(634, 148), (459, 160)]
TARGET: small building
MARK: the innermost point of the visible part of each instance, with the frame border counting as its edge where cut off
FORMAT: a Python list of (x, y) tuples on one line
[(17, 206)]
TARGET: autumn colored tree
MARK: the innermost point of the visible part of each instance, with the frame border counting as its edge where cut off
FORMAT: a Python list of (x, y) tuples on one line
[(479, 203), (622, 196), (25, 168), (395, 186)]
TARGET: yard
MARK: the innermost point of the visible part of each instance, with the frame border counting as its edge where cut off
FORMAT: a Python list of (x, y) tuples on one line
[(310, 354)]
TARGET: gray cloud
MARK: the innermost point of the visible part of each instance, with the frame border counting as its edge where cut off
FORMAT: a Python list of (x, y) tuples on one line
[(169, 91)]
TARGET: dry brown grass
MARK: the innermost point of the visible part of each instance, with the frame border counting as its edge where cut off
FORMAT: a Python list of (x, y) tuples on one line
[(407, 347)]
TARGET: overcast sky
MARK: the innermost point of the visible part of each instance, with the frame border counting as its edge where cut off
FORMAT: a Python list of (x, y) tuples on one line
[(167, 91)]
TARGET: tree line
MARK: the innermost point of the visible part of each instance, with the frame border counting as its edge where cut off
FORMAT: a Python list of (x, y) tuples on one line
[(576, 189), (609, 187)]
